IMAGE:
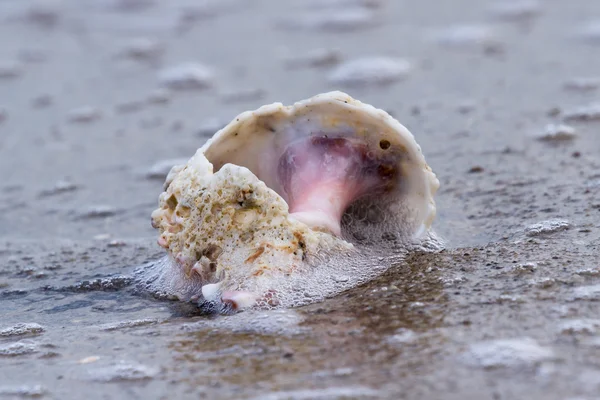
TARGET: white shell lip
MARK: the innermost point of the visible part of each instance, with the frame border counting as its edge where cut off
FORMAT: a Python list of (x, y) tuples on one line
[(424, 181)]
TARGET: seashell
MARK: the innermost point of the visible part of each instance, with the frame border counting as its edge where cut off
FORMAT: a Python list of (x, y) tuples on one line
[(281, 190)]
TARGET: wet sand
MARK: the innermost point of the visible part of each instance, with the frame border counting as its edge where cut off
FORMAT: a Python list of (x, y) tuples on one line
[(509, 310)]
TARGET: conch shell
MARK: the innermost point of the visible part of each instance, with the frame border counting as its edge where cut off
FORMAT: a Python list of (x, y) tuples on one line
[(281, 190)]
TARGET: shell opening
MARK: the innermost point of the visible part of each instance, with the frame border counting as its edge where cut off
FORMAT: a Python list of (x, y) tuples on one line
[(322, 176)]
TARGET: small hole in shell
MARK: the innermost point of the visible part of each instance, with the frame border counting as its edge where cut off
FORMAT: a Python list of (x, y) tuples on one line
[(384, 144)]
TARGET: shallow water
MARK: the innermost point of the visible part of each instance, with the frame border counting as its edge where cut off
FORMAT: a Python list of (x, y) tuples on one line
[(510, 308)]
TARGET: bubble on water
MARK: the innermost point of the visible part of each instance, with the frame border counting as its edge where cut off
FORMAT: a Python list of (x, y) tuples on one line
[(23, 391), (469, 35), (507, 353), (370, 71), (547, 227), (582, 83), (403, 336), (308, 284), (580, 327), (557, 133), (22, 329), (543, 283), (271, 322), (84, 114), (18, 349), (102, 284), (115, 326), (342, 19), (588, 272), (60, 187), (187, 76), (124, 372), (362, 392), (161, 169), (588, 112), (586, 293), (526, 268)]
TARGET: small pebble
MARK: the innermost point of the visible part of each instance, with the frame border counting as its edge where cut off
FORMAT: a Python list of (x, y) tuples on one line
[(557, 133), (553, 112), (475, 170), (161, 169), (585, 113), (370, 71), (315, 59), (84, 114), (186, 76)]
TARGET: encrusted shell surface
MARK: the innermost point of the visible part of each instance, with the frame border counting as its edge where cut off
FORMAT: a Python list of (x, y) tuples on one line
[(221, 216)]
